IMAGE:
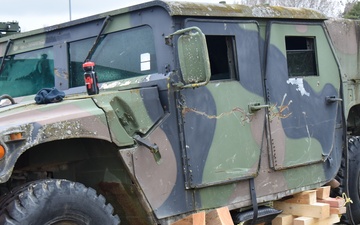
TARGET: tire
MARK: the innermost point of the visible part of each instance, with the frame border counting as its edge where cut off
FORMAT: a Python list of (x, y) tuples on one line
[(56, 202), (354, 177)]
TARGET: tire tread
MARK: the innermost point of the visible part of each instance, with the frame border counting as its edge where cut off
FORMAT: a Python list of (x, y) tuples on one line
[(16, 206)]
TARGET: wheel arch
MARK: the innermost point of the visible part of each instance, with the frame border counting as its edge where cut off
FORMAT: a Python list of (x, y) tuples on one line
[(49, 154), (96, 163)]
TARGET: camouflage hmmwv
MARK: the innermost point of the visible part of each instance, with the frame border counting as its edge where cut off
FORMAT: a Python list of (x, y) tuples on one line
[(200, 106)]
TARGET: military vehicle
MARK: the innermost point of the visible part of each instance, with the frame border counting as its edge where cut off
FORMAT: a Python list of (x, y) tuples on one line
[(199, 106), (8, 28)]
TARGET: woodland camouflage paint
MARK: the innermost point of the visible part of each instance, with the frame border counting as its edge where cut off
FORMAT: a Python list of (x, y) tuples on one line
[(250, 121)]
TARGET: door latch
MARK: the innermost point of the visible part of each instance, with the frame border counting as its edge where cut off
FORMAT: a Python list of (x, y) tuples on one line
[(254, 107), (332, 99)]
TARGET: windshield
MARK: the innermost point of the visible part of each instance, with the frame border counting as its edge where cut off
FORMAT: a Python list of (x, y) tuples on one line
[(26, 73), (120, 55)]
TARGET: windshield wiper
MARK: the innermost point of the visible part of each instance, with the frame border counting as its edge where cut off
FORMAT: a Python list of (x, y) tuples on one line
[(94, 46), (9, 42)]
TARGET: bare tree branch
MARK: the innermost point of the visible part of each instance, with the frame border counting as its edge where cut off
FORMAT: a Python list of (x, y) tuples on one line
[(331, 8)]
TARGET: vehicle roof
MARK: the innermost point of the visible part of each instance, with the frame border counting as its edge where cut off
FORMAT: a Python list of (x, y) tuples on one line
[(237, 10), (198, 10)]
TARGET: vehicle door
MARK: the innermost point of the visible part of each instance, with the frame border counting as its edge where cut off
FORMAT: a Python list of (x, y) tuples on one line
[(223, 129), (303, 89)]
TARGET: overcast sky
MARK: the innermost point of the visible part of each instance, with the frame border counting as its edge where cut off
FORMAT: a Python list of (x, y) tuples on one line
[(34, 14)]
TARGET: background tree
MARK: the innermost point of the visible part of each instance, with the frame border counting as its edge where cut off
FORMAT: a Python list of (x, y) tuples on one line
[(352, 11), (331, 8)]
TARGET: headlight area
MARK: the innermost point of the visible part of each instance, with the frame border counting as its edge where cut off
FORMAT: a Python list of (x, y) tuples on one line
[(11, 143), (2, 152), (4, 161), (10, 139)]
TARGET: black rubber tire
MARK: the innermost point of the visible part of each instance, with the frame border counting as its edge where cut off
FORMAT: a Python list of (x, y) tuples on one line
[(354, 177), (51, 202)]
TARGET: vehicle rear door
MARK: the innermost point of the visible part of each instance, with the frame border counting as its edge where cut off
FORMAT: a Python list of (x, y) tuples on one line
[(303, 89)]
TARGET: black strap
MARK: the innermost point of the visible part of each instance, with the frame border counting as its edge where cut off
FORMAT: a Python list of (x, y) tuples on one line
[(253, 200)]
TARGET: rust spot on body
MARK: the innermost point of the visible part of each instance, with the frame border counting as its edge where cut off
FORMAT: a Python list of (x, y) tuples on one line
[(245, 116)]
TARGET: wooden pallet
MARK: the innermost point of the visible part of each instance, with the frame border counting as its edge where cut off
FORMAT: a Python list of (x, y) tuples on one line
[(313, 207)]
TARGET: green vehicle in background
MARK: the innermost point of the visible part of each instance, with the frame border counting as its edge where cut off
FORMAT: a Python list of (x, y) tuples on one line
[(200, 106), (8, 28)]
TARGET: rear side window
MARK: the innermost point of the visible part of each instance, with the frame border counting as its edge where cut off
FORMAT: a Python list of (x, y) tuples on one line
[(26, 73), (125, 54), (301, 56)]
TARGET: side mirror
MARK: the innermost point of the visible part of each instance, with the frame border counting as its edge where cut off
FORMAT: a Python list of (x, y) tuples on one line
[(193, 57)]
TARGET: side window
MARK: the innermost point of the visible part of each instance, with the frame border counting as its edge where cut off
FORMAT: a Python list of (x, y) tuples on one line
[(26, 73), (301, 56), (221, 55), (120, 55)]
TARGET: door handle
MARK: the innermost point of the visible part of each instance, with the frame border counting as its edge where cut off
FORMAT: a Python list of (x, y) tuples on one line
[(253, 107), (332, 99)]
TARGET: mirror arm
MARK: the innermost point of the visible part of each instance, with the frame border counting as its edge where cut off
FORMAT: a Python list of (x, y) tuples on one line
[(182, 31), (196, 85)]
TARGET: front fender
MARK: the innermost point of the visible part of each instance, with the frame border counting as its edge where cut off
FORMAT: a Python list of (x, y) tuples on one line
[(131, 112), (26, 125)]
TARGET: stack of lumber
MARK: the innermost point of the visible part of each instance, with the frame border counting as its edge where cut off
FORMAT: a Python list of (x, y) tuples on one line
[(220, 216), (313, 207)]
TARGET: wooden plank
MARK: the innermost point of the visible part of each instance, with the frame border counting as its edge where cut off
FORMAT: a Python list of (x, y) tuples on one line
[(199, 218), (323, 192), (316, 210), (311, 221), (328, 221), (220, 216), (283, 219), (333, 202), (194, 219), (304, 221), (338, 211), (306, 197)]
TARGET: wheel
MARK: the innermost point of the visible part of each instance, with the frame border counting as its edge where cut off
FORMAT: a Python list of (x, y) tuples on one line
[(56, 202), (353, 177), (349, 174)]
